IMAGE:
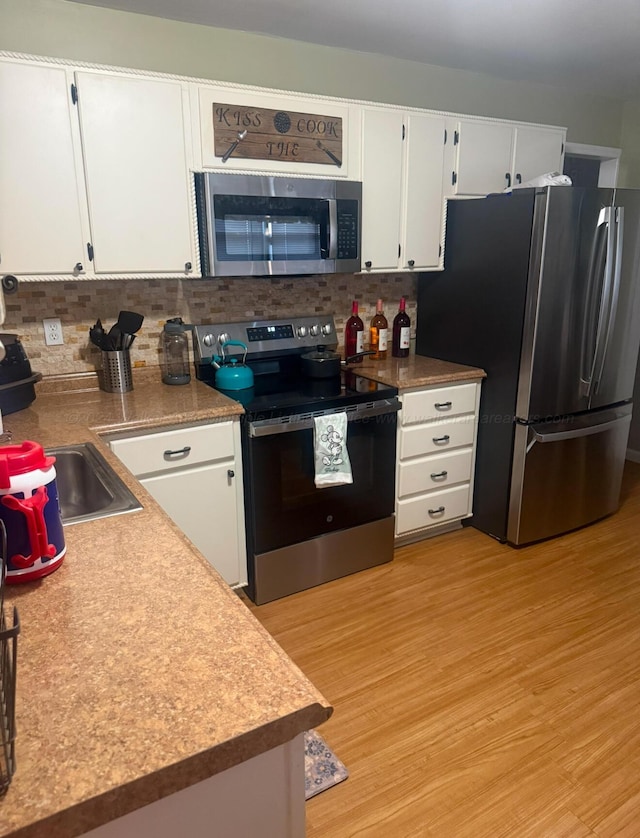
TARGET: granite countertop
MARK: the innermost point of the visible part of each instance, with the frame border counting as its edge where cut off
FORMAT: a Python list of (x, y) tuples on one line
[(140, 672), (416, 371)]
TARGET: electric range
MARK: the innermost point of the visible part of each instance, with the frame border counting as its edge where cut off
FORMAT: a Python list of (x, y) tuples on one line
[(300, 535)]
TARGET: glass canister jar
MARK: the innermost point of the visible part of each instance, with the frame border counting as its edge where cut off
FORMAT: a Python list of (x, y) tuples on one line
[(175, 352)]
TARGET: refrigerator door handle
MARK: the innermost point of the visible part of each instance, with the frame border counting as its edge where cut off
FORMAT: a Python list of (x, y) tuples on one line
[(615, 291), (587, 430), (605, 297), (604, 219)]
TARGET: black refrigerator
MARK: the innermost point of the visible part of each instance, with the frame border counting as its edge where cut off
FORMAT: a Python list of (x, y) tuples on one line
[(541, 289)]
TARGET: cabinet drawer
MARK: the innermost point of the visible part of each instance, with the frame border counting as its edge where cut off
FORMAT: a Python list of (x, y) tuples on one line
[(438, 403), (431, 437), (430, 473), (433, 508), (177, 448)]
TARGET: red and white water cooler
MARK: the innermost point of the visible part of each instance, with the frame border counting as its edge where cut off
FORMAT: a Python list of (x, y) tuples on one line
[(30, 510)]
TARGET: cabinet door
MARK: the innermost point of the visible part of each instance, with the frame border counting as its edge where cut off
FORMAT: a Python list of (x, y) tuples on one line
[(423, 206), (137, 177), (536, 152), (483, 161), (41, 189), (202, 502), (381, 188)]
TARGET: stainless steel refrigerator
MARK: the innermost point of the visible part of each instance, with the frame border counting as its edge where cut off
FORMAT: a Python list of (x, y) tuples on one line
[(541, 289)]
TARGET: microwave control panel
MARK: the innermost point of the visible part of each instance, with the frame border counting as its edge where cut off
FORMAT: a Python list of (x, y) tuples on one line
[(347, 229)]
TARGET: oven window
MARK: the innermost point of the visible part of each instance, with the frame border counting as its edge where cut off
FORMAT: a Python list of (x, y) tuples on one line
[(266, 229), (285, 507)]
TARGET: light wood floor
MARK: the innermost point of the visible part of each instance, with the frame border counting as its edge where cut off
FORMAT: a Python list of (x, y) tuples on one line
[(480, 690)]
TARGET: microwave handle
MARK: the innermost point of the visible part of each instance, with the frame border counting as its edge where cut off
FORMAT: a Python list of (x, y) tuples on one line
[(333, 228)]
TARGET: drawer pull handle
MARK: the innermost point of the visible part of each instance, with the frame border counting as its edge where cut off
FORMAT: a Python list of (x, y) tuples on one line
[(180, 452), (438, 475), (438, 440), (437, 511), (443, 405)]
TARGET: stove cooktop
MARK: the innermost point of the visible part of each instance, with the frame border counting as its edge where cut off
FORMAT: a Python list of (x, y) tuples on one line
[(277, 395), (274, 348)]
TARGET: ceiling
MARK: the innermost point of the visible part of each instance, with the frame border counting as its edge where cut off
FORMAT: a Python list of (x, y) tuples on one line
[(582, 45)]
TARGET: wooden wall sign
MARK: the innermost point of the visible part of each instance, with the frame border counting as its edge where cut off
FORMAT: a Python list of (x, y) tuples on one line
[(264, 134)]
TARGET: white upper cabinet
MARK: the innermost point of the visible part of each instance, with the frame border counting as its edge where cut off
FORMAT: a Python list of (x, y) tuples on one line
[(423, 229), (492, 156), (137, 176), (402, 197), (536, 152), (381, 188), (285, 134), (42, 192)]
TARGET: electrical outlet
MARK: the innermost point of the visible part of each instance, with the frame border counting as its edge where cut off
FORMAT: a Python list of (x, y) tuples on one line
[(53, 331)]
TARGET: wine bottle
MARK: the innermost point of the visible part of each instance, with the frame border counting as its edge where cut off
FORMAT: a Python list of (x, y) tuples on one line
[(401, 332), (379, 333), (354, 334)]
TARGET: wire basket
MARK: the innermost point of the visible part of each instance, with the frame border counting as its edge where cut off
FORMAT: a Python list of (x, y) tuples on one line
[(8, 660)]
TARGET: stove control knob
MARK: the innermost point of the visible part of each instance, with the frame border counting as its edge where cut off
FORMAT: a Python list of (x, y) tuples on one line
[(326, 329), (208, 340), (314, 331), (302, 331), (223, 338)]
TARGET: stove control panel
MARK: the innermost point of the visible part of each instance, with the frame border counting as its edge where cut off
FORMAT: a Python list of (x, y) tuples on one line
[(266, 338)]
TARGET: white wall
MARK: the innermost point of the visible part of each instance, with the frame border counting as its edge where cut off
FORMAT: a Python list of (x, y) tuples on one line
[(71, 30)]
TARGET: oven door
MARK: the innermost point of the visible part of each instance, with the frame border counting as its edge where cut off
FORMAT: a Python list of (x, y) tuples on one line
[(284, 506)]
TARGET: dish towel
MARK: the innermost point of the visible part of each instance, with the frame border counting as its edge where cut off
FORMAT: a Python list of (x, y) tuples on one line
[(333, 467)]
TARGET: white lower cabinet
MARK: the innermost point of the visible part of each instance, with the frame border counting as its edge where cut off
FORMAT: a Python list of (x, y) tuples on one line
[(436, 458), (195, 474)]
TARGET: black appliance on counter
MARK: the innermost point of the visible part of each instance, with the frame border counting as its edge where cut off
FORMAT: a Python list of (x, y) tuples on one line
[(299, 536), (17, 380)]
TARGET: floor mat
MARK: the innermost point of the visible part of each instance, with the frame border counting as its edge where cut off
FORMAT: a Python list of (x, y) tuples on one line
[(322, 768)]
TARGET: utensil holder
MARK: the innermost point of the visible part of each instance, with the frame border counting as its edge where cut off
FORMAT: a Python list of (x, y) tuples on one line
[(116, 371)]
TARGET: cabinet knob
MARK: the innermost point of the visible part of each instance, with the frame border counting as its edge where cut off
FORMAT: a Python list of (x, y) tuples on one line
[(78, 268), (411, 262), (367, 264), (188, 266), (231, 473)]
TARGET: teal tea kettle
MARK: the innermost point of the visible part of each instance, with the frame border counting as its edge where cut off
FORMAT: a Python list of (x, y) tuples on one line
[(232, 374)]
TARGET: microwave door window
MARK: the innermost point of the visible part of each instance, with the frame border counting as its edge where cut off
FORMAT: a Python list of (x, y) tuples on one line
[(253, 229)]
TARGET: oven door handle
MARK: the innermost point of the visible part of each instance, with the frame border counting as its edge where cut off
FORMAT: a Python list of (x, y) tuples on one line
[(270, 427)]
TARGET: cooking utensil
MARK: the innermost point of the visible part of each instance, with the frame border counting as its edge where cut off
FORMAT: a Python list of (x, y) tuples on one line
[(97, 335), (129, 322), (325, 363), (329, 153), (114, 339), (234, 145)]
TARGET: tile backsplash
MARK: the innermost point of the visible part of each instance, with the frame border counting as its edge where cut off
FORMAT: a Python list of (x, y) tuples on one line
[(78, 304)]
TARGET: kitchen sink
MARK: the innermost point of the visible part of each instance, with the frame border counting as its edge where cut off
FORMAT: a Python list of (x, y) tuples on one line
[(88, 488)]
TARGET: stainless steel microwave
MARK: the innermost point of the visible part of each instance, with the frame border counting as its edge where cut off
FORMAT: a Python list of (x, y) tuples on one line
[(252, 225)]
